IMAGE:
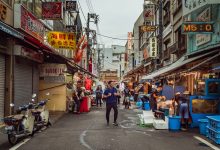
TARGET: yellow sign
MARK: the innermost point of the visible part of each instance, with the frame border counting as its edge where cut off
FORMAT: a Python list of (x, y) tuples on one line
[(148, 28), (62, 40)]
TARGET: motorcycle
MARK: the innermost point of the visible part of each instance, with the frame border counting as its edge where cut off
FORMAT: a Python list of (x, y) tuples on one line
[(19, 125), (41, 114)]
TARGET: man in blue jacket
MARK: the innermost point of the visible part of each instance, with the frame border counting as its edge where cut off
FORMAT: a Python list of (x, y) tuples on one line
[(111, 102)]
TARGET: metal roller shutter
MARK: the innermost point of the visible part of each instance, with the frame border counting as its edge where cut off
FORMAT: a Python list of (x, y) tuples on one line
[(22, 82), (2, 84), (36, 80)]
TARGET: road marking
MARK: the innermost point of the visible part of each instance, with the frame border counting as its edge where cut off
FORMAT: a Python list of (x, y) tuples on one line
[(20, 144), (82, 141), (207, 143)]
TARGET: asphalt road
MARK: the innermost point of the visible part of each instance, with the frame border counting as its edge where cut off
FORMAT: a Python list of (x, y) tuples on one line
[(89, 131)]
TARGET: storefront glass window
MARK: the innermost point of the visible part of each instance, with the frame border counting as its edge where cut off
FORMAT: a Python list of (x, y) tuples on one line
[(201, 106)]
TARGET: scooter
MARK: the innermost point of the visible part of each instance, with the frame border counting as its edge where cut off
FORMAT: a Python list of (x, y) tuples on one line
[(19, 125), (41, 114)]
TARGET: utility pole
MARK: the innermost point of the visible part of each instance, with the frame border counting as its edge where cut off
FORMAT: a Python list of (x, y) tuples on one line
[(160, 36)]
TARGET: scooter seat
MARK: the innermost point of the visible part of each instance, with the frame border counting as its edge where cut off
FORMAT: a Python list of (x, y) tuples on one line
[(36, 112)]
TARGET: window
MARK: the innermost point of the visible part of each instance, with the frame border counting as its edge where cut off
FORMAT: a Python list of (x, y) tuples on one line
[(9, 2)]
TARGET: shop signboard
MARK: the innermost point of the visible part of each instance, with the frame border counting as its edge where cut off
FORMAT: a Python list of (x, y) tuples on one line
[(197, 27), (129, 46), (153, 46), (28, 53), (149, 12), (56, 79), (62, 40), (28, 22), (191, 5), (71, 6), (205, 16), (52, 10), (9, 30), (148, 28), (52, 70)]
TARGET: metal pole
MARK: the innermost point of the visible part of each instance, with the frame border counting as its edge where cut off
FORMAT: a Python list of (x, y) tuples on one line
[(160, 36), (88, 45)]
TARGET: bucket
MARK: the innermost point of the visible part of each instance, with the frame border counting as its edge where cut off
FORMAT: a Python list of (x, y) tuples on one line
[(146, 105), (139, 104), (174, 123), (202, 126)]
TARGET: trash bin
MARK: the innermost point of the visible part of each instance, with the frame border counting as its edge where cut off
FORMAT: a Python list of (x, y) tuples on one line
[(174, 123), (202, 126)]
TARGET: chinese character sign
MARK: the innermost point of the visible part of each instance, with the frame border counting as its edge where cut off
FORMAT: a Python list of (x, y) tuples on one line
[(153, 47), (149, 12), (62, 40), (71, 6), (129, 46), (52, 10)]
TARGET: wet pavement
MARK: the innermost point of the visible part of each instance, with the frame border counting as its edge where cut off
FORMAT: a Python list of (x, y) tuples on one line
[(89, 131)]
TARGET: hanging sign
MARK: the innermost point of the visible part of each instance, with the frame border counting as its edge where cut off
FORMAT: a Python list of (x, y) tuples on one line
[(148, 28), (3, 11), (52, 70), (197, 27), (71, 28), (129, 45), (191, 5), (153, 47), (71, 6), (149, 12), (28, 22), (52, 10), (62, 40)]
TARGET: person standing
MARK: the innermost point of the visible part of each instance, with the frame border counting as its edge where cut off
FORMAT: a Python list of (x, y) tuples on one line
[(99, 93), (119, 96), (111, 102)]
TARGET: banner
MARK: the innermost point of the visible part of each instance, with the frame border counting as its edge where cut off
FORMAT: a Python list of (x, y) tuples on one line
[(149, 12), (52, 70), (52, 10), (153, 47), (62, 40), (191, 5), (129, 45), (71, 6)]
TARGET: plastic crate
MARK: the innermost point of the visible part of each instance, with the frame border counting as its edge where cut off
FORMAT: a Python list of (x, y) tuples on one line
[(213, 135), (214, 122), (203, 126)]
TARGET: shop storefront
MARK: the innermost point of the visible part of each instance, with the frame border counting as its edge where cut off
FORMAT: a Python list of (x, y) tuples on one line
[(2, 84)]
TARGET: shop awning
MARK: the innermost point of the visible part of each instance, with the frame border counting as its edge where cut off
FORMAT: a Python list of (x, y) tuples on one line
[(179, 63)]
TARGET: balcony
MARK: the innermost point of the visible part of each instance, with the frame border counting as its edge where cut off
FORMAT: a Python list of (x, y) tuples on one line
[(166, 19), (166, 54), (173, 48)]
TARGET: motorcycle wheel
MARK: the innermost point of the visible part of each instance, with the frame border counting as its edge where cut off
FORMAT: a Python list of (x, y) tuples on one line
[(12, 139)]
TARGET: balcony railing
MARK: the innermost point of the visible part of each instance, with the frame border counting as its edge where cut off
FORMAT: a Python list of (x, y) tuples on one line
[(173, 48), (166, 54), (166, 19)]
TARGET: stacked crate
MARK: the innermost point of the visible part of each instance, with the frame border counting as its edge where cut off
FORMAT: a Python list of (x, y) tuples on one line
[(213, 128)]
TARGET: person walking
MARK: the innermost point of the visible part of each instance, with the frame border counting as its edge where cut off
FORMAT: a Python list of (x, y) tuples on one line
[(99, 93), (110, 95)]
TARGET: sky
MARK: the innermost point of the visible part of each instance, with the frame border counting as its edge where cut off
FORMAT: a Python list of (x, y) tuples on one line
[(117, 17)]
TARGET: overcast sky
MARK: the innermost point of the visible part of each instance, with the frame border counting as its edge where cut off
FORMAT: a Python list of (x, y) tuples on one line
[(117, 17)]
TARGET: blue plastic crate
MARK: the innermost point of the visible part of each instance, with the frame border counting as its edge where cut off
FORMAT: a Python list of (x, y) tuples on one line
[(211, 135), (214, 122)]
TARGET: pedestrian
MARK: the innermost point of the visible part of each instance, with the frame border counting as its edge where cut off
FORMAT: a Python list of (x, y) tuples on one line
[(154, 100), (119, 96), (77, 101), (111, 102), (99, 93), (176, 103)]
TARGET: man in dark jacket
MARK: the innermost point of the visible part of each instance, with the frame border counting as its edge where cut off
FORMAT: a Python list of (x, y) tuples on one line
[(111, 102)]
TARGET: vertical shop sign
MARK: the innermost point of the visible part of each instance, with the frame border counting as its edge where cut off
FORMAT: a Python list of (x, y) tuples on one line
[(28, 22), (3, 11), (129, 45), (149, 12), (52, 10), (205, 16), (71, 6), (153, 46)]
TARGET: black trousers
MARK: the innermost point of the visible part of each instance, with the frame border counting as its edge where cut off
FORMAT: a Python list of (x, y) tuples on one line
[(108, 110), (98, 101)]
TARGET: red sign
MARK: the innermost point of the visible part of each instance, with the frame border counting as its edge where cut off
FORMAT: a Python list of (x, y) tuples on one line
[(52, 10), (31, 54), (28, 22)]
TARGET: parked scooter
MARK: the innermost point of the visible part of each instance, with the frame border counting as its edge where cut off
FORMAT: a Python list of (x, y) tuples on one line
[(19, 125), (41, 114)]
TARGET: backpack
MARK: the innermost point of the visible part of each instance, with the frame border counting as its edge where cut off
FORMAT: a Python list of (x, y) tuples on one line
[(98, 94)]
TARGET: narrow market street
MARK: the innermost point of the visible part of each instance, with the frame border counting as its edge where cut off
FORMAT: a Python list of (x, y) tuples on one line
[(89, 131)]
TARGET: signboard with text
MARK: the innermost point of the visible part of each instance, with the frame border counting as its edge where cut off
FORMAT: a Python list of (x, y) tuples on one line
[(52, 10), (52, 70), (28, 22), (149, 12), (197, 27), (129, 40), (191, 5), (153, 46), (148, 28), (62, 40), (71, 5)]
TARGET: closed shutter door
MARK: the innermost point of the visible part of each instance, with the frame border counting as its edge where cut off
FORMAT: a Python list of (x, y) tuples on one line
[(22, 82), (2, 84), (36, 80)]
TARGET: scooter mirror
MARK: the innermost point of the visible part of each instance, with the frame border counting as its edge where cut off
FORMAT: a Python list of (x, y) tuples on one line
[(12, 105), (48, 94), (34, 95)]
